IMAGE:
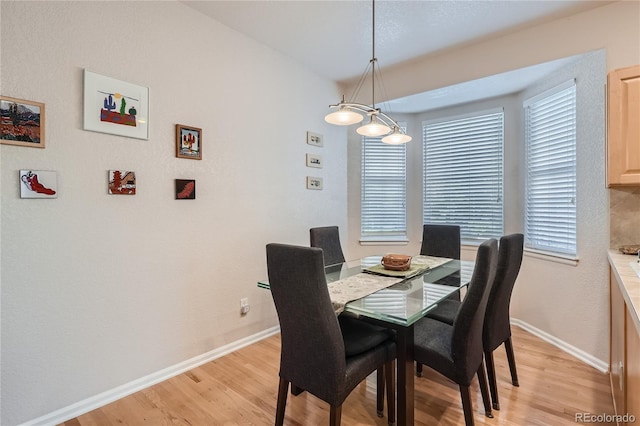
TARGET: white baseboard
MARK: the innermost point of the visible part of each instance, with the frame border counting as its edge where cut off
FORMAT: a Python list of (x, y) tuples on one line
[(588, 359), (104, 398)]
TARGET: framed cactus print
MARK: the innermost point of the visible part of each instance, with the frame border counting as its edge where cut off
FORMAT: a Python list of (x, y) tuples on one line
[(188, 142), (115, 106)]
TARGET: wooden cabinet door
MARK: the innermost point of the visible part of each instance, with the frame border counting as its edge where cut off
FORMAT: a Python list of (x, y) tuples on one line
[(632, 381), (623, 126), (617, 346)]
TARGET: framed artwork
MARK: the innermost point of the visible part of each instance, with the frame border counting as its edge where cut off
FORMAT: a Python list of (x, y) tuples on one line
[(314, 161), (122, 182), (314, 182), (38, 184), (21, 122), (314, 139), (115, 107), (188, 142), (185, 189)]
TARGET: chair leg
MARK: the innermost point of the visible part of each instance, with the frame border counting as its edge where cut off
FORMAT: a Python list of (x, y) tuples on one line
[(390, 377), (418, 369), (335, 415), (508, 345), (283, 389), (295, 391), (491, 375), (482, 379), (380, 392), (466, 405)]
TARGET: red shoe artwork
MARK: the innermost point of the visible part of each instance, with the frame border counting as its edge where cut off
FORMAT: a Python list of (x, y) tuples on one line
[(187, 191), (31, 180)]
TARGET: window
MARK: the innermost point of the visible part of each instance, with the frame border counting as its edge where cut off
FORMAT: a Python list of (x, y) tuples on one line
[(462, 171), (384, 191), (550, 211)]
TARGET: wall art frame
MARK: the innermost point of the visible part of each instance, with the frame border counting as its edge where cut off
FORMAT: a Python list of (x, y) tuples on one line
[(115, 107), (314, 160), (315, 183), (188, 142), (185, 189), (315, 139), (38, 184), (122, 182), (22, 122)]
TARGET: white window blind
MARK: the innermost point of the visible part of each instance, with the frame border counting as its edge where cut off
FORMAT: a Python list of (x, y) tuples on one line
[(384, 190), (550, 213), (463, 164)]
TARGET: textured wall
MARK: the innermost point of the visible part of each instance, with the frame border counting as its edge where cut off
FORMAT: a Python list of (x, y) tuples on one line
[(571, 302), (99, 290)]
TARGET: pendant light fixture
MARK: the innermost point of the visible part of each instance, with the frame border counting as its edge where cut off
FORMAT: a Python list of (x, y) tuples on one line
[(378, 123)]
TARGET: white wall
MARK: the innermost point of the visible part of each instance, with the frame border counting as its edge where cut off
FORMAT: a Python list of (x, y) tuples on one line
[(614, 27), (571, 302), (99, 290)]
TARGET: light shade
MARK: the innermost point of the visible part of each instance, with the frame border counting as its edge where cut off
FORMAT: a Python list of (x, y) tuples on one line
[(396, 138), (373, 128), (343, 117)]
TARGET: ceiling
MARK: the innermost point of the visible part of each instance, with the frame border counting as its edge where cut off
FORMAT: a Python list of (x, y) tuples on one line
[(334, 38)]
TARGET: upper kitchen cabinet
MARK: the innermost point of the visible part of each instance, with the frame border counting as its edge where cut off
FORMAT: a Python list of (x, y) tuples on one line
[(623, 126)]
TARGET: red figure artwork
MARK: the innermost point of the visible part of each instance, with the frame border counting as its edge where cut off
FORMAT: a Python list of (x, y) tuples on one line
[(31, 181), (122, 182)]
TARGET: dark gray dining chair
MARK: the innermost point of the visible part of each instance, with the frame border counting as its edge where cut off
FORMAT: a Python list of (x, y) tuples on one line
[(328, 239), (316, 354), (455, 351), (441, 241), (497, 324)]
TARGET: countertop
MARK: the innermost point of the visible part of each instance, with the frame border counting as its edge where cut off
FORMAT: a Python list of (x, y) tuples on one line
[(629, 282)]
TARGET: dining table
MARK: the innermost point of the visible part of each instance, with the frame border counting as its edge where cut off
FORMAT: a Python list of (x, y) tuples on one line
[(396, 300)]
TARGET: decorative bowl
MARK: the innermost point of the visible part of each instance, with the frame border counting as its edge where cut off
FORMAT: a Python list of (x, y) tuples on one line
[(396, 262), (630, 249)]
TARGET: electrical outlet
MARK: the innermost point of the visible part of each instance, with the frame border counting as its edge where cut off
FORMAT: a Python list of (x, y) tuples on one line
[(244, 306)]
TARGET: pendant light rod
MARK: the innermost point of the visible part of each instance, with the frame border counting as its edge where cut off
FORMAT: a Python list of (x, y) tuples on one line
[(380, 124), (373, 54)]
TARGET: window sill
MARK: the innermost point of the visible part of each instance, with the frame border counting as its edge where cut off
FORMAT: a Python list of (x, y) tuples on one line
[(557, 258), (387, 241)]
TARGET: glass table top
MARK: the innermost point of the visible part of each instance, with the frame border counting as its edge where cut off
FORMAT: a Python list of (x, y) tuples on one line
[(407, 301)]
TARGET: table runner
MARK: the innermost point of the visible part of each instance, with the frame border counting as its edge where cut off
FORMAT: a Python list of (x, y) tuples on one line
[(356, 287), (360, 285)]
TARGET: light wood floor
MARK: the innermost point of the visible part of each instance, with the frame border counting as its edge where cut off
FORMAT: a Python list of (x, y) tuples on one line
[(240, 389)]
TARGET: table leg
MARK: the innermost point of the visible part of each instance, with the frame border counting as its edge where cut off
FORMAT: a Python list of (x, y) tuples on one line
[(404, 368), (404, 342)]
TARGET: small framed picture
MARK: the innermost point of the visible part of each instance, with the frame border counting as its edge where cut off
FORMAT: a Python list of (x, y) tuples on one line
[(122, 182), (188, 142), (22, 122), (314, 139), (314, 182), (38, 184), (314, 161), (185, 189)]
